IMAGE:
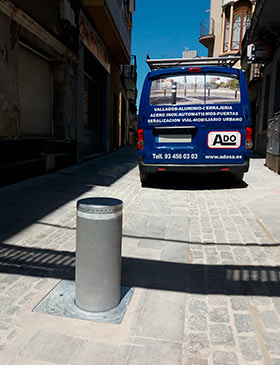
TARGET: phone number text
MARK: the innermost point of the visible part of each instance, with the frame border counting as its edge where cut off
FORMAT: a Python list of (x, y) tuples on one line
[(175, 156)]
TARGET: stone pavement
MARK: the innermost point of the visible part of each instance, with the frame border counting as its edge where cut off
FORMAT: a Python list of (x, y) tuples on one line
[(202, 254)]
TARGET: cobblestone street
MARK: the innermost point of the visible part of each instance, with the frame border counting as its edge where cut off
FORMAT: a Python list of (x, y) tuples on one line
[(202, 254)]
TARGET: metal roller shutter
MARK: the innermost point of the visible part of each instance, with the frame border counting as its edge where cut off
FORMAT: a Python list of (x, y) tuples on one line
[(35, 93)]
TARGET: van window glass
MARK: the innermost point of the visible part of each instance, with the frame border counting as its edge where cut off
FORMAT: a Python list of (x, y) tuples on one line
[(222, 89), (195, 89), (187, 89)]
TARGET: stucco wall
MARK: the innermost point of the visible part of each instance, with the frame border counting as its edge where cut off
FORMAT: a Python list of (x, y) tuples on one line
[(119, 19), (64, 100), (9, 98), (216, 14), (45, 12)]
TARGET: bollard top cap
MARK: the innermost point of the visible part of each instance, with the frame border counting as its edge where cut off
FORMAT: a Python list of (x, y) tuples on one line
[(99, 205)]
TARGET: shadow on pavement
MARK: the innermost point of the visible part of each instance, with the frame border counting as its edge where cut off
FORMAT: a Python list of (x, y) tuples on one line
[(250, 244), (255, 156), (184, 181), (27, 202), (149, 274), (202, 279)]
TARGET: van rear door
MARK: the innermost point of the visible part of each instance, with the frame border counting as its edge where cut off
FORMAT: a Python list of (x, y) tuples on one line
[(194, 116)]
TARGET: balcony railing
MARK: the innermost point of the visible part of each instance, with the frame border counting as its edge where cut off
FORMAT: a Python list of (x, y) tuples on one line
[(129, 72), (207, 27)]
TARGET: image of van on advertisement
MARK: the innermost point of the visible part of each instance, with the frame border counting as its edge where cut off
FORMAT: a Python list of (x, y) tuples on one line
[(194, 119)]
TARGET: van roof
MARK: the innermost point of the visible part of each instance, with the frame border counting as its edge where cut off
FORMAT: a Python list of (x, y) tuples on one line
[(156, 64), (202, 69)]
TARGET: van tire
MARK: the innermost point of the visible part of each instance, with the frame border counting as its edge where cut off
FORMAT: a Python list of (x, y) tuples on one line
[(144, 178), (238, 176)]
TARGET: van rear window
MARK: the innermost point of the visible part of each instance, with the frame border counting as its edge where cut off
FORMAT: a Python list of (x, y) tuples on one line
[(195, 89)]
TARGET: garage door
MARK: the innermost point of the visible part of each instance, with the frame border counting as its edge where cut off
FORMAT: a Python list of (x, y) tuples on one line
[(35, 93)]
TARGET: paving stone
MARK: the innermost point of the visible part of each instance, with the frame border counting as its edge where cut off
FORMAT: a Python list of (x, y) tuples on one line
[(276, 302), (175, 252), (212, 260), (272, 343), (197, 322), (225, 358), (12, 335), (90, 352), (155, 319), (197, 343), (175, 234), (239, 304), (19, 288), (41, 284), (150, 352), (250, 349), (51, 347), (219, 315), (26, 299), (221, 334), (9, 279), (217, 300), (270, 319), (197, 254), (5, 322), (150, 243), (194, 238), (226, 255), (244, 323), (5, 303), (194, 361), (179, 221), (211, 251), (207, 230), (10, 311), (240, 251), (198, 306), (260, 301), (243, 260), (182, 211)]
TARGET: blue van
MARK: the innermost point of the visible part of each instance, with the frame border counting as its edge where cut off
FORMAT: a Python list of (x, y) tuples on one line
[(194, 119)]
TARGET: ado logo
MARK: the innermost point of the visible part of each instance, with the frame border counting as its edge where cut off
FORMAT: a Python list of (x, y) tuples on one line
[(224, 139)]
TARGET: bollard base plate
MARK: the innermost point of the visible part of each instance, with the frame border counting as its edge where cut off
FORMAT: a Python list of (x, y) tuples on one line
[(61, 302)]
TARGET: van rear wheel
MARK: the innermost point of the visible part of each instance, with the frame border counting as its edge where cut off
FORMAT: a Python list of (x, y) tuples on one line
[(238, 176), (144, 177)]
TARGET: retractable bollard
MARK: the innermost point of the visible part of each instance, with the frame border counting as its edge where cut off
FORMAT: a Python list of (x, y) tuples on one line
[(98, 253), (173, 92)]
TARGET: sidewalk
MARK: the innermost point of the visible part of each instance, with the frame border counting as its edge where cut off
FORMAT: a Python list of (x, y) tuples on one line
[(202, 256)]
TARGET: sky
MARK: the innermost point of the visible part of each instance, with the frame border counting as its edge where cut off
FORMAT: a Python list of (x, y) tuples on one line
[(164, 28)]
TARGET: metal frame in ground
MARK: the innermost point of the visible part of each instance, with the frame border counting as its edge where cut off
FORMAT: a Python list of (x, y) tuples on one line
[(60, 301)]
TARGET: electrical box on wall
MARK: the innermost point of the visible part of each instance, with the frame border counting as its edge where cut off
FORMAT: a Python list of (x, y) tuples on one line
[(259, 52)]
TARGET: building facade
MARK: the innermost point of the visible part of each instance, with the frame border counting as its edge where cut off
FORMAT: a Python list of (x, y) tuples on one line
[(228, 21), (261, 62), (62, 94)]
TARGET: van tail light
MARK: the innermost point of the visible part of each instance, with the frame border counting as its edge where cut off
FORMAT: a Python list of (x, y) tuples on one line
[(249, 138), (140, 139)]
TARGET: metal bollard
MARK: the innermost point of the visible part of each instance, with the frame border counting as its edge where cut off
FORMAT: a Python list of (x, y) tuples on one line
[(98, 253), (173, 92)]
